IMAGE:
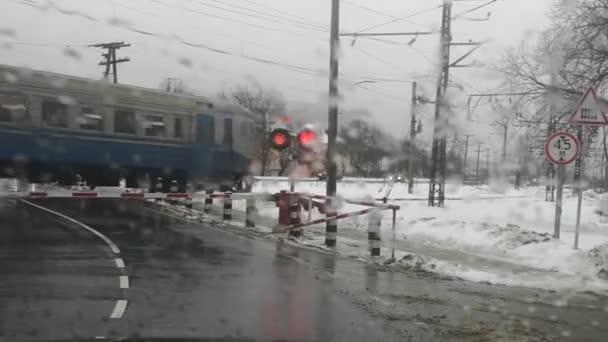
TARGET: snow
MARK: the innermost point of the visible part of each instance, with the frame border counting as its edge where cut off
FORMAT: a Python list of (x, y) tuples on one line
[(487, 233)]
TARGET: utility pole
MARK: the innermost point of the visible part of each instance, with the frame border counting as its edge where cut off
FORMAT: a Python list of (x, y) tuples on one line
[(477, 166), (331, 228), (110, 58), (488, 166), (437, 181), (466, 154), (410, 162), (504, 143), (438, 153)]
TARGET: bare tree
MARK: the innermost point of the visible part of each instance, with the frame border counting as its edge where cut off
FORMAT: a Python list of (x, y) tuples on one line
[(174, 85), (267, 103), (364, 145)]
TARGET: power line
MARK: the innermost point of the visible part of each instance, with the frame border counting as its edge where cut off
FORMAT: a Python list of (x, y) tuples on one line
[(371, 10), (266, 28), (400, 19), (298, 22), (286, 13)]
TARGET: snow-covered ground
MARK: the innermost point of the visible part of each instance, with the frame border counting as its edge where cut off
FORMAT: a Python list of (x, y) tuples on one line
[(494, 234)]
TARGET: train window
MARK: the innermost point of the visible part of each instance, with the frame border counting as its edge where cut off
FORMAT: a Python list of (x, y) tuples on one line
[(90, 119), (154, 126), (178, 128), (13, 108), (124, 121), (210, 131), (54, 114), (227, 132)]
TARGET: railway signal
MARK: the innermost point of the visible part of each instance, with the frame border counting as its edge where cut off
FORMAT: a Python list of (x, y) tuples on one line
[(306, 139), (280, 139)]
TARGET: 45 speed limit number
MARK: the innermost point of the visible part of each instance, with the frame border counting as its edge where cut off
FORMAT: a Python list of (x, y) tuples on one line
[(562, 148)]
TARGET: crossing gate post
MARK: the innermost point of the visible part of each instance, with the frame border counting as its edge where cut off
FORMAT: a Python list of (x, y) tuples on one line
[(250, 212), (373, 234), (227, 216), (294, 214), (208, 202), (188, 202)]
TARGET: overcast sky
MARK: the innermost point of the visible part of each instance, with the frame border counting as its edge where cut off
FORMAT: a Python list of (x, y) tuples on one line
[(233, 35)]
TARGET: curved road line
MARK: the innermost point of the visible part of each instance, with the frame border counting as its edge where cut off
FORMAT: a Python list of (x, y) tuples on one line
[(105, 239), (121, 304)]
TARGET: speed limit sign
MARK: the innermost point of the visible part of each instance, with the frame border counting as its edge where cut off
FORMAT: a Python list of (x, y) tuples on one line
[(562, 148)]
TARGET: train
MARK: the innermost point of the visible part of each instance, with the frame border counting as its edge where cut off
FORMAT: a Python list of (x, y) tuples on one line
[(56, 128)]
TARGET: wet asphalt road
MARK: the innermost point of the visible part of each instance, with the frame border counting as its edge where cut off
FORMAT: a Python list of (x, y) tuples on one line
[(188, 280), (61, 282)]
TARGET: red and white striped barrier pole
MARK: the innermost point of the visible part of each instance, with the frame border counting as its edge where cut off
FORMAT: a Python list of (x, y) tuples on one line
[(294, 215), (330, 217), (208, 202), (373, 234), (227, 214), (331, 225)]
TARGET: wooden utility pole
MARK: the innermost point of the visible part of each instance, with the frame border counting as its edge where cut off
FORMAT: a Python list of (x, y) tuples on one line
[(110, 58)]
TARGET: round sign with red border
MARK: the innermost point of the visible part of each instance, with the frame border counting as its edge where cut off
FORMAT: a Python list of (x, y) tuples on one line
[(562, 148)]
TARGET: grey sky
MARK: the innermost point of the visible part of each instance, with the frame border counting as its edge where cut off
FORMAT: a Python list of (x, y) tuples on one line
[(284, 37)]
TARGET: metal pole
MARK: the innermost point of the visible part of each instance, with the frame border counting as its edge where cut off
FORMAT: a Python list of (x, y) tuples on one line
[(437, 174), (394, 234), (580, 187), (331, 228), (504, 144), (487, 166), (466, 154), (477, 167), (410, 162), (309, 209), (558, 201)]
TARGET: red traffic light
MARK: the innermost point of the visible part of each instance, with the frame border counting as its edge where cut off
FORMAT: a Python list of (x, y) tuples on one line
[(306, 138), (279, 139)]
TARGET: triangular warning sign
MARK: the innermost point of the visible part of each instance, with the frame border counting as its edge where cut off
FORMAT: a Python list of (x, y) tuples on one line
[(589, 111)]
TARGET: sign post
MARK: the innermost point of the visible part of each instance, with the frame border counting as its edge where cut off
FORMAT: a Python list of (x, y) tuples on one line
[(562, 148), (589, 112), (579, 187)]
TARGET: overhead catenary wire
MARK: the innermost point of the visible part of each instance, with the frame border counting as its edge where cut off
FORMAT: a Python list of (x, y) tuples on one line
[(399, 19), (387, 15), (295, 21), (286, 13), (127, 26)]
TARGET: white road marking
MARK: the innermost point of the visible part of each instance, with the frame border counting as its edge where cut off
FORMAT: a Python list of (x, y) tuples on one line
[(119, 263), (109, 242), (119, 308), (124, 282)]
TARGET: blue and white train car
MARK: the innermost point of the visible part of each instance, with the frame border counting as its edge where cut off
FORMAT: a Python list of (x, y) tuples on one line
[(54, 127)]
